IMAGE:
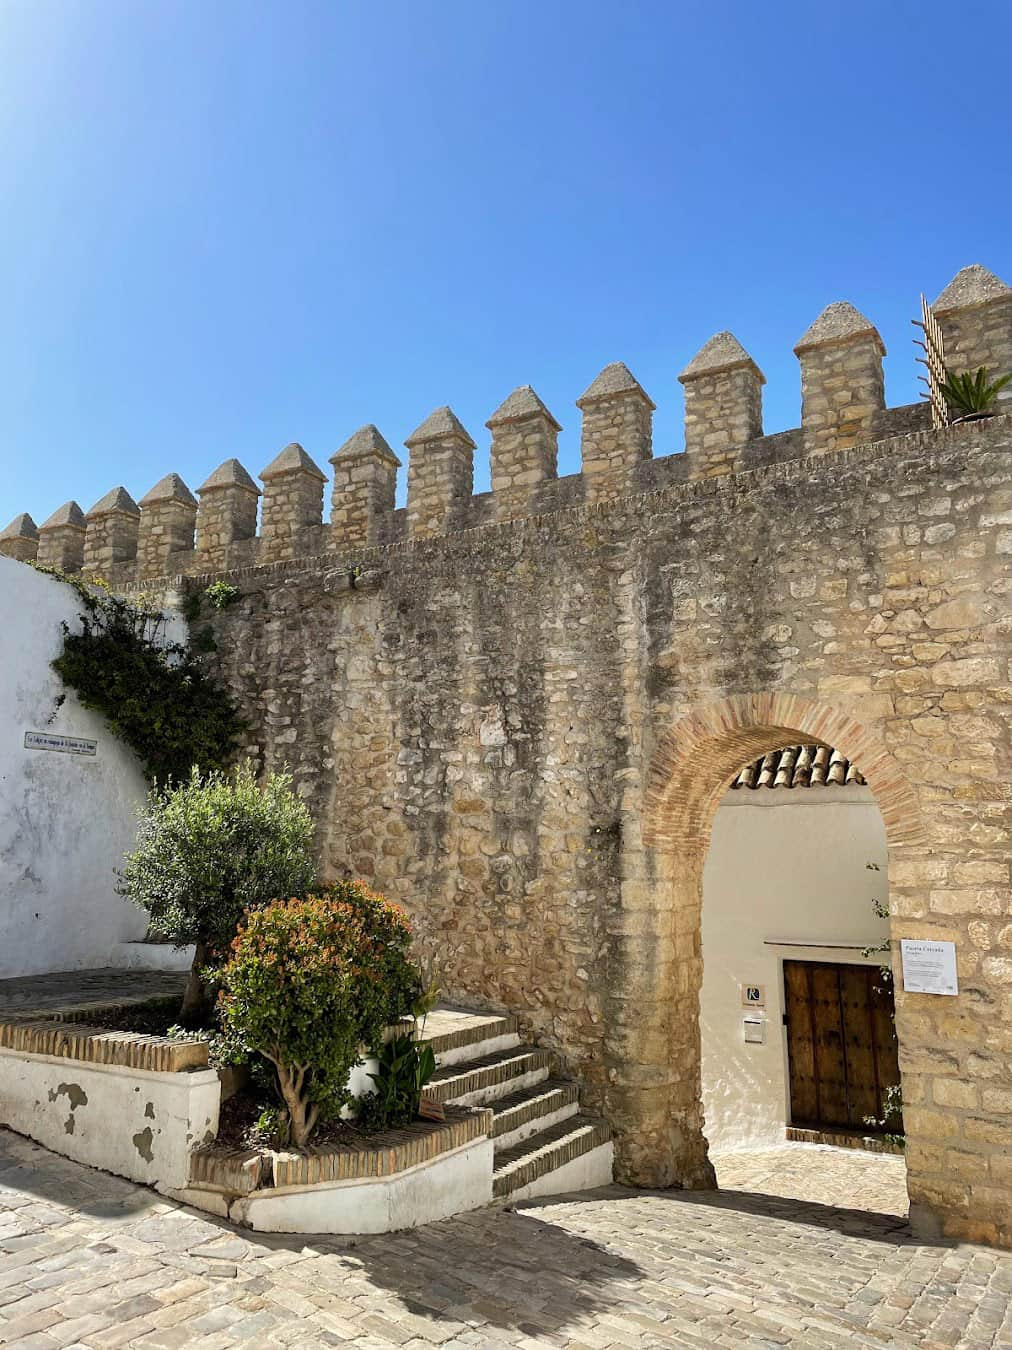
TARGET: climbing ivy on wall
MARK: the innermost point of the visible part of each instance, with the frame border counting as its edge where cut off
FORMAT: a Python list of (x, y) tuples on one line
[(155, 694)]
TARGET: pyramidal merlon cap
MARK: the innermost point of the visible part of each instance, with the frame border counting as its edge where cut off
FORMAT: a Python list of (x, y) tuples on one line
[(722, 352), (68, 514), (974, 285), (520, 405), (292, 459), (171, 488), (441, 425), (116, 500), (838, 322), (613, 380), (229, 474), (366, 441), (21, 527)]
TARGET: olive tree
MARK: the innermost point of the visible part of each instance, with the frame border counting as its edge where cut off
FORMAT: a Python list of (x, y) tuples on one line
[(210, 849)]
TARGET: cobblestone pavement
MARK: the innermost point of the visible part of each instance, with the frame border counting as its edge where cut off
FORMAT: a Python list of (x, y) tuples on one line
[(88, 1260), (845, 1177)]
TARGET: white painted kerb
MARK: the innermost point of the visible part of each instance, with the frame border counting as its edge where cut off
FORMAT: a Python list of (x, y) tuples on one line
[(450, 1184)]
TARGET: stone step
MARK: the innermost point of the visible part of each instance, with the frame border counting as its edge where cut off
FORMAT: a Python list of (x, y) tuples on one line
[(527, 1168), (481, 1081), (531, 1110), (458, 1035)]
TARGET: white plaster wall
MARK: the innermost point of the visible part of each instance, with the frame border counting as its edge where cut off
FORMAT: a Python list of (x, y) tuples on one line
[(65, 820), (450, 1184), (136, 1123), (784, 865)]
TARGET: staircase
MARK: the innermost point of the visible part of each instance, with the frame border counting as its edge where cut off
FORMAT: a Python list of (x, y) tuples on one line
[(544, 1144)]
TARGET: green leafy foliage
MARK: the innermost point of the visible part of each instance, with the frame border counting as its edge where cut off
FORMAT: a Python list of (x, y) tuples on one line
[(891, 1119), (208, 850), (970, 392), (215, 846), (405, 1066), (154, 694), (308, 982), (220, 595)]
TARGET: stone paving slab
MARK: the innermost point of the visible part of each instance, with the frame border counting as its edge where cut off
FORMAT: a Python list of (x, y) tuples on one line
[(89, 1260), (80, 991)]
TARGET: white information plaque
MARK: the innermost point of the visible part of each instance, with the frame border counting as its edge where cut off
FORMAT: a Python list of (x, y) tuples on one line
[(64, 745), (928, 967)]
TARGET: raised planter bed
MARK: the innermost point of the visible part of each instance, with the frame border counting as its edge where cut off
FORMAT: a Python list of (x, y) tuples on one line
[(390, 1180), (146, 1107), (131, 1104)]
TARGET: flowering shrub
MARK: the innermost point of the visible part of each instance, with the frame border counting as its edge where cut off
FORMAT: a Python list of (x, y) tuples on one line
[(308, 982)]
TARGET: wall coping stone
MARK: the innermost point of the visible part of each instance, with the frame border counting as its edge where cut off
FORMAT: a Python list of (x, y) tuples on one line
[(367, 441), (98, 1045), (292, 459), (616, 379), (972, 286), (838, 323), (117, 501), (520, 406), (722, 352), (441, 425), (229, 474), (21, 527), (67, 514), (171, 488)]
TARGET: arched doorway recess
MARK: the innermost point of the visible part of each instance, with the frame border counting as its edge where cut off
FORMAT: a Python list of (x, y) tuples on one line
[(659, 1104)]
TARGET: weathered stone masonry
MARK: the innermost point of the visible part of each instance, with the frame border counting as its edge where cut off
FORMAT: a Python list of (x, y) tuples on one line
[(521, 730)]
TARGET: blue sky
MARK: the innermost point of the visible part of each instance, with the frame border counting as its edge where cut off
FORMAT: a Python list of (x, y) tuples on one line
[(230, 225)]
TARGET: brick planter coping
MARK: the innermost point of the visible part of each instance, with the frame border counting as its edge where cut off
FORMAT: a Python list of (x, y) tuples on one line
[(242, 1171), (74, 1032), (98, 1045)]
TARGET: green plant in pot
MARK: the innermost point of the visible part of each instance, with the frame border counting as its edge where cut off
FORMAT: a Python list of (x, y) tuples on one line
[(971, 395)]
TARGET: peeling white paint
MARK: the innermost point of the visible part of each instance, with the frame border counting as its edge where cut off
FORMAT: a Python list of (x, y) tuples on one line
[(133, 1122)]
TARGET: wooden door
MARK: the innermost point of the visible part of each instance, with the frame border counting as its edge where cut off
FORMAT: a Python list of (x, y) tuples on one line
[(841, 1043)]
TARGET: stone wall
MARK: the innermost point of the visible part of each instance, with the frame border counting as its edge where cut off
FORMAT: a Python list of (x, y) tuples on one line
[(520, 727), (521, 733)]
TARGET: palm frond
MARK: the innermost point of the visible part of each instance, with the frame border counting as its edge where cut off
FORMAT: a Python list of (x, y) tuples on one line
[(968, 392)]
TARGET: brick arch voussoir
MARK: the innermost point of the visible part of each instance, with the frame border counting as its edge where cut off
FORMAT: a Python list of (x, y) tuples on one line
[(695, 760)]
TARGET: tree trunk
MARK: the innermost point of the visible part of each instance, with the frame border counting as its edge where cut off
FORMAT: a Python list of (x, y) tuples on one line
[(194, 998), (301, 1115)]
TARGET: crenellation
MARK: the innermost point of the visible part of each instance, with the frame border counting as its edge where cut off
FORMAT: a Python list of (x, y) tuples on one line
[(525, 451), (440, 474), (842, 381), (617, 430), (20, 540), (61, 539), (226, 514), (168, 521), (365, 484), (111, 532), (842, 405), (292, 504), (974, 313), (723, 405)]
